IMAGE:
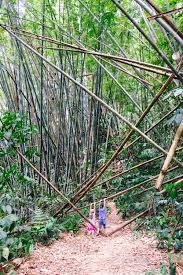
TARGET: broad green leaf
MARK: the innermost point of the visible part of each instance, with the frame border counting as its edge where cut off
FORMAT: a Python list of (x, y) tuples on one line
[(6, 253)]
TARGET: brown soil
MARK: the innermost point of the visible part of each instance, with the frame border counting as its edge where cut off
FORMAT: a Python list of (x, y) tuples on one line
[(122, 253)]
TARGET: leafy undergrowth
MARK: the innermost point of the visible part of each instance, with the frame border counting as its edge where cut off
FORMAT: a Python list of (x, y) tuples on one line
[(17, 239), (26, 209), (165, 218)]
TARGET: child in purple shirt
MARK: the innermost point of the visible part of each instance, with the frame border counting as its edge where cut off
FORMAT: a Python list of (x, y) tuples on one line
[(102, 214)]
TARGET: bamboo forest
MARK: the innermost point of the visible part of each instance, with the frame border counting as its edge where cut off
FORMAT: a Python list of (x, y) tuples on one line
[(91, 137)]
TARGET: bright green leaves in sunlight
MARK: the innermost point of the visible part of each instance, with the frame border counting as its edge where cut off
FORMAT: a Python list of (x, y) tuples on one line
[(14, 128)]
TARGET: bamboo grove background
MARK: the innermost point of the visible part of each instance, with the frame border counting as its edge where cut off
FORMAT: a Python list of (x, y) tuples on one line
[(100, 48)]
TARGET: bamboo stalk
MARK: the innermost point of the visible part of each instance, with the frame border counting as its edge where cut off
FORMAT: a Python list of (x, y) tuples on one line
[(153, 126), (177, 179), (148, 39), (133, 168), (96, 97), (181, 180), (128, 222), (111, 109), (165, 13), (164, 25), (168, 20), (118, 194), (41, 97), (91, 183), (138, 64), (75, 48), (108, 32), (170, 155), (54, 188)]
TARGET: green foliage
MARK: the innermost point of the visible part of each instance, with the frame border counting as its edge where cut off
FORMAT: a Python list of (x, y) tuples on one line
[(71, 223), (17, 192), (129, 205), (167, 207), (168, 213), (14, 131), (39, 219), (14, 128), (160, 271), (173, 188), (147, 153), (17, 240), (11, 243), (44, 228)]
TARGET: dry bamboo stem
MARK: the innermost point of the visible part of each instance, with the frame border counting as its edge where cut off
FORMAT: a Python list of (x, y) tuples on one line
[(133, 127), (91, 183), (181, 180), (141, 65), (116, 195), (96, 59), (165, 18), (119, 67), (54, 188), (132, 168), (139, 165), (137, 185), (153, 126), (145, 68), (168, 181), (170, 155), (128, 222), (154, 46), (75, 48), (165, 13)]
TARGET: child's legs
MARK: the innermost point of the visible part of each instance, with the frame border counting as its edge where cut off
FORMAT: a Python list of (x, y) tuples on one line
[(104, 224), (100, 224)]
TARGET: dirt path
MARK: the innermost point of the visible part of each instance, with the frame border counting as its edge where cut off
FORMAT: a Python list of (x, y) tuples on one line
[(121, 254)]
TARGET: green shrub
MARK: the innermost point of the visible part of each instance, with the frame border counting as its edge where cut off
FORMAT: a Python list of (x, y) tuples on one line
[(71, 223)]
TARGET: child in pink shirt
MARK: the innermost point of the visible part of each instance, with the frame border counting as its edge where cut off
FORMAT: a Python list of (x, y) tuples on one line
[(92, 217)]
